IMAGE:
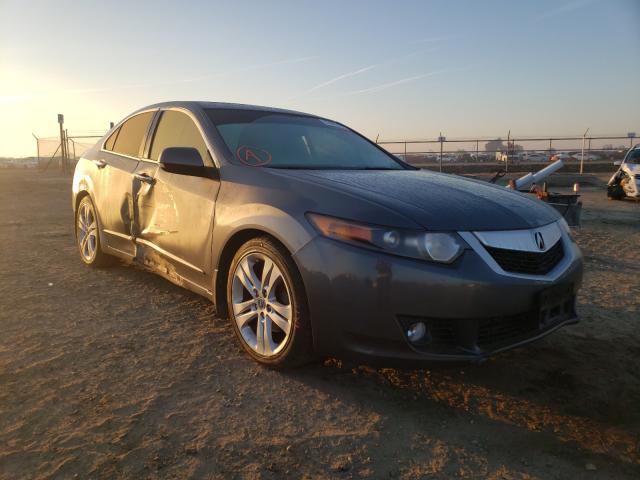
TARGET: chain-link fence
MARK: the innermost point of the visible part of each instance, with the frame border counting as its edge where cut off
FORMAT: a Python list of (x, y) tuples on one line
[(579, 153), (51, 153), (586, 153)]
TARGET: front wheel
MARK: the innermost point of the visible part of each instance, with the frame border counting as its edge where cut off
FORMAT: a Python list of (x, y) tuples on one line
[(267, 305), (87, 235), (615, 192)]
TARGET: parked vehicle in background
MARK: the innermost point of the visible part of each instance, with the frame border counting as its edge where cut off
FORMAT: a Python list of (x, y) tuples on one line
[(564, 156), (589, 157), (536, 157), (626, 181), (511, 157)]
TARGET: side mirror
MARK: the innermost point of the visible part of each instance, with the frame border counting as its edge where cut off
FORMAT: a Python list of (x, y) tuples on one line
[(617, 163), (185, 161)]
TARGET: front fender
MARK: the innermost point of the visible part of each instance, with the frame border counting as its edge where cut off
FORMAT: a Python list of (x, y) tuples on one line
[(294, 233)]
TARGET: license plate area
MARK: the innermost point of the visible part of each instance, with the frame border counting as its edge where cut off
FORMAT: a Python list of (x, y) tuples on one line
[(555, 305)]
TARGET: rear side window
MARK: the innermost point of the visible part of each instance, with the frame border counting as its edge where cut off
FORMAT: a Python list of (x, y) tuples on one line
[(129, 136), (176, 129)]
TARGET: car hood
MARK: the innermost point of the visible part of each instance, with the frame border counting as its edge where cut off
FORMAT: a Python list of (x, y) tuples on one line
[(436, 201)]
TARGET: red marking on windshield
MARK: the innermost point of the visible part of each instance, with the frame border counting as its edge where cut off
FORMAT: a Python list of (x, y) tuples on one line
[(252, 156)]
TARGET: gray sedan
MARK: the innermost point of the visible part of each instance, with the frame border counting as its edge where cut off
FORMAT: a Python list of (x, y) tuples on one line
[(314, 241)]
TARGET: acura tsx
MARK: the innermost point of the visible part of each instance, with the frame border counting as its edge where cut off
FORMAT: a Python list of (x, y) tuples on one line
[(314, 241)]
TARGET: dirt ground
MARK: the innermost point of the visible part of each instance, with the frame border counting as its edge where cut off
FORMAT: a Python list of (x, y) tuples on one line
[(117, 373)]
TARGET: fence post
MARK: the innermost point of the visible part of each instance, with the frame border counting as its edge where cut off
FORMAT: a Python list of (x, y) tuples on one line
[(584, 136), (62, 141), (506, 160), (37, 147), (405, 151), (73, 145), (67, 160), (441, 140), (477, 152)]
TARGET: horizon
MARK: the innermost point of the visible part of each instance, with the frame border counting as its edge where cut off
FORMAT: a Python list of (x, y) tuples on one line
[(401, 70)]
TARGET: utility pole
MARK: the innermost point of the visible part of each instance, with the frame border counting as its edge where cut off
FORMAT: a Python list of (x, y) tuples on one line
[(584, 136)]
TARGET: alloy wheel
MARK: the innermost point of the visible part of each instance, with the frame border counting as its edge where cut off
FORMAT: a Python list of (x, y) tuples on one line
[(87, 231), (261, 304)]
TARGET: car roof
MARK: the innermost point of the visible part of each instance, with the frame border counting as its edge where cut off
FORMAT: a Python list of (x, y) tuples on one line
[(225, 106)]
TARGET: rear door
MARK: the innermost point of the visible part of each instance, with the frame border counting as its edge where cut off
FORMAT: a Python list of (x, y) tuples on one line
[(120, 155), (175, 212)]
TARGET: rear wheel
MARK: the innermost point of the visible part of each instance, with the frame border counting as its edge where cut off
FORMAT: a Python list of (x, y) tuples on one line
[(267, 305), (87, 235)]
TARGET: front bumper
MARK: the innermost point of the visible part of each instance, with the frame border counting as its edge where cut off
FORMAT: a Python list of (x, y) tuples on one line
[(361, 302)]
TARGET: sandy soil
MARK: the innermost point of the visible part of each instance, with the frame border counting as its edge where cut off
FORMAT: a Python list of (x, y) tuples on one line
[(117, 373)]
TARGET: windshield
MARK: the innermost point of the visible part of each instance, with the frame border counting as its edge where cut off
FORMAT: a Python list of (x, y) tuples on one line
[(277, 140), (633, 156)]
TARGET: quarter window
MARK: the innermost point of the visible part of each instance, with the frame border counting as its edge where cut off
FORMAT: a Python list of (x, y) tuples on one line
[(129, 136), (108, 145), (176, 129)]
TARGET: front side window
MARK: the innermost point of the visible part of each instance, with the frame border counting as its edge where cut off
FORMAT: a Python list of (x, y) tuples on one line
[(128, 138), (278, 140), (176, 129)]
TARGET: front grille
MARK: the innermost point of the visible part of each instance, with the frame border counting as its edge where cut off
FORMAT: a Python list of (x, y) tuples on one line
[(532, 263), (483, 332), (498, 330), (476, 335)]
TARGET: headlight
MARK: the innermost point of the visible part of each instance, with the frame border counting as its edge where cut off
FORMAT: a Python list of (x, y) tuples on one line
[(437, 246)]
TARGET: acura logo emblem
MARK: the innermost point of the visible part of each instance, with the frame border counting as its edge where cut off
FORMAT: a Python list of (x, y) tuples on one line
[(539, 240)]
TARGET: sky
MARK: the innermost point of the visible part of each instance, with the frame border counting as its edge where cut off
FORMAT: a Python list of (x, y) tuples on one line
[(394, 69)]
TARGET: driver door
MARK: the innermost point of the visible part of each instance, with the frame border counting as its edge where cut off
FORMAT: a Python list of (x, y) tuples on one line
[(174, 212)]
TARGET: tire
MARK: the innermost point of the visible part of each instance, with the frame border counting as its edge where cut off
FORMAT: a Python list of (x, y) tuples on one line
[(268, 310), (88, 236), (615, 192)]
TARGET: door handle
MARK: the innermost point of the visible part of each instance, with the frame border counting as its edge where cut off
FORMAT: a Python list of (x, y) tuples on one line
[(100, 163), (143, 177)]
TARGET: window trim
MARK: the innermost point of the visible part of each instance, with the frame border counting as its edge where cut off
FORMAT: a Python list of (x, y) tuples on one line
[(145, 138)]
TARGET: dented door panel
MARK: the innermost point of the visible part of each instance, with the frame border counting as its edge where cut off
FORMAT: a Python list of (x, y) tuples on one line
[(174, 223), (115, 201)]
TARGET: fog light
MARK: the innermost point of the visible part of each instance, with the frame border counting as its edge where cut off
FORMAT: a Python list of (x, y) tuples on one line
[(416, 332)]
